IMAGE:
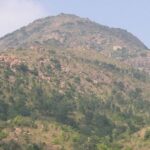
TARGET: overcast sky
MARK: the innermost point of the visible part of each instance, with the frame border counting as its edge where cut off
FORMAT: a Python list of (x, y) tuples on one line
[(133, 15)]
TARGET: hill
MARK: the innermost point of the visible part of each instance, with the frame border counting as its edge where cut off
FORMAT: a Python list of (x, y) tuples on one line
[(71, 31), (60, 93)]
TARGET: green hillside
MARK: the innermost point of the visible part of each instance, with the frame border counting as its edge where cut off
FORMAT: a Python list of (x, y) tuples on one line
[(61, 98)]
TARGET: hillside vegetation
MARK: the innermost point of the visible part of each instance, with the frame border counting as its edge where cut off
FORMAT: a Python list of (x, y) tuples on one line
[(60, 97)]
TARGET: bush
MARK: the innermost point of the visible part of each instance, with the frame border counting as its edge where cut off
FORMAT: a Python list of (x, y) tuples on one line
[(147, 135), (11, 145), (23, 68), (103, 147), (23, 121), (35, 147), (3, 135)]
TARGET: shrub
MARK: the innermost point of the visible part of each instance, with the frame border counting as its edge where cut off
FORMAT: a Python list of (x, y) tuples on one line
[(35, 147), (147, 135), (3, 135), (11, 145), (23, 68), (23, 121)]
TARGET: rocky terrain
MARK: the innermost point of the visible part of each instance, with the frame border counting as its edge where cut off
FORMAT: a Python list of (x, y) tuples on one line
[(67, 83)]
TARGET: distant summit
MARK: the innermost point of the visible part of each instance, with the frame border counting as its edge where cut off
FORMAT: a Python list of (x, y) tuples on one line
[(67, 31), (70, 31)]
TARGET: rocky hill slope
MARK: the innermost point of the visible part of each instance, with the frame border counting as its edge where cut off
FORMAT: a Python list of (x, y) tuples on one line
[(58, 92), (71, 31)]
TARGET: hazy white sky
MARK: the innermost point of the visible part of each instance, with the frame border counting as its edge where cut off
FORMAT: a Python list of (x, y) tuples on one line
[(133, 15), (17, 13)]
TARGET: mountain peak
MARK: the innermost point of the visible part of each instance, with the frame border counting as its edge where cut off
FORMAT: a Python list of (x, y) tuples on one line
[(67, 15), (69, 31)]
